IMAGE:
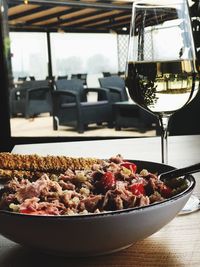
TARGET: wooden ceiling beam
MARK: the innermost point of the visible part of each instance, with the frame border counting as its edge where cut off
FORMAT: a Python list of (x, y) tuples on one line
[(28, 12), (110, 25), (54, 15), (92, 21), (58, 18)]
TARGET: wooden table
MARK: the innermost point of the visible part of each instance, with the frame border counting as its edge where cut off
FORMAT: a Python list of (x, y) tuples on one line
[(176, 244)]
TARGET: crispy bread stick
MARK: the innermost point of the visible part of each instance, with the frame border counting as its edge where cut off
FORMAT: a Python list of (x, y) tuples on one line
[(49, 164), (9, 174)]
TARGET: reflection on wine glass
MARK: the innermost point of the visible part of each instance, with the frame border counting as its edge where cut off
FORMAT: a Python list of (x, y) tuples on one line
[(161, 73)]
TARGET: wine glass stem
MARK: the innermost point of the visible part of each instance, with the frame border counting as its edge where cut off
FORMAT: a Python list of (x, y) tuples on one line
[(164, 120)]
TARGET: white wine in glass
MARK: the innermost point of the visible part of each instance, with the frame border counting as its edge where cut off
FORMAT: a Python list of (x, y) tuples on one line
[(161, 73)]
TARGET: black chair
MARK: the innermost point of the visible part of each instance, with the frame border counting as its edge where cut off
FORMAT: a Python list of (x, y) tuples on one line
[(32, 78), (31, 99), (60, 77), (126, 114), (22, 79), (74, 76), (80, 76), (83, 77), (106, 74), (116, 86), (71, 108), (121, 73)]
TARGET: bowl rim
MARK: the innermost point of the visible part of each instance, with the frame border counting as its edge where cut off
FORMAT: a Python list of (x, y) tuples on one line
[(189, 189)]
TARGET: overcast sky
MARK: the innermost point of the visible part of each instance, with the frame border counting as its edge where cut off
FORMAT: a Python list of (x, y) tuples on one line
[(71, 53)]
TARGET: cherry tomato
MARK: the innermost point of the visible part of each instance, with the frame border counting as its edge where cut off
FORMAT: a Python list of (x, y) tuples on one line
[(106, 182), (137, 189), (129, 165), (166, 191)]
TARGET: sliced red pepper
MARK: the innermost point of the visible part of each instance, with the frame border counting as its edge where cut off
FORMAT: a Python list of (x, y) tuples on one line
[(137, 189), (129, 165)]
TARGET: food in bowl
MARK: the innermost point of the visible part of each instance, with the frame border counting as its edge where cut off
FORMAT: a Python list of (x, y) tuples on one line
[(69, 186), (91, 233)]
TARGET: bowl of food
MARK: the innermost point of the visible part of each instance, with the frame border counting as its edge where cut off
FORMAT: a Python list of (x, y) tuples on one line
[(86, 206)]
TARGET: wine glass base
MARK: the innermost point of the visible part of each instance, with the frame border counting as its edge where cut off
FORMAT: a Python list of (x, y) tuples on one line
[(193, 204)]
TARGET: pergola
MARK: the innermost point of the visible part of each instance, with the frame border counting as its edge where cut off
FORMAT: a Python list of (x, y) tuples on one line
[(70, 16)]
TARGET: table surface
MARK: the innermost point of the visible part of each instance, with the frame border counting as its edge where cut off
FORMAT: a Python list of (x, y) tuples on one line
[(176, 244)]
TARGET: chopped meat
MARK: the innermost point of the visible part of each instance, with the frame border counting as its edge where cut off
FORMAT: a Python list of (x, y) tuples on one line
[(107, 185), (92, 202)]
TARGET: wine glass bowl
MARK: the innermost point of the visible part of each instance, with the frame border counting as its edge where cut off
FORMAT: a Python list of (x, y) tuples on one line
[(161, 73)]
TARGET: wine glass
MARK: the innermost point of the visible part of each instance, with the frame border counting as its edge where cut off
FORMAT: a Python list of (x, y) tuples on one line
[(161, 74)]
